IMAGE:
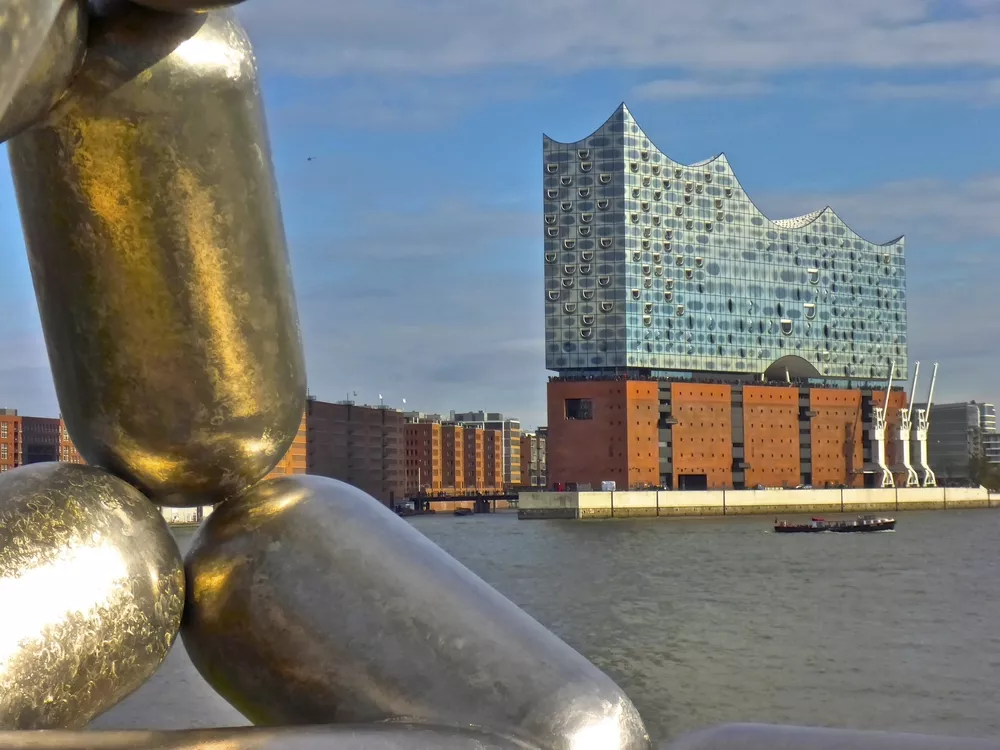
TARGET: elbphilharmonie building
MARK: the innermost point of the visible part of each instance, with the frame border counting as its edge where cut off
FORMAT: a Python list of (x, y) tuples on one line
[(667, 267), (698, 343)]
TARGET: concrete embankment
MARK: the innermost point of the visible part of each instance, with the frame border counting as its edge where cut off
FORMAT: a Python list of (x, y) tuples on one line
[(547, 505)]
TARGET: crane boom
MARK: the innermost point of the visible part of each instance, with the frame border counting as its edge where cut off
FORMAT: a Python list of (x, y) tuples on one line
[(930, 394), (892, 374), (913, 391)]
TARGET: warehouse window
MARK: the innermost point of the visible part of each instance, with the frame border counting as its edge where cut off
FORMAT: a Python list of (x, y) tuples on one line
[(579, 408)]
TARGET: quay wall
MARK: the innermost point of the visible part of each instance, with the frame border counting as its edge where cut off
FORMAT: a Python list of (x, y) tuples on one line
[(631, 504)]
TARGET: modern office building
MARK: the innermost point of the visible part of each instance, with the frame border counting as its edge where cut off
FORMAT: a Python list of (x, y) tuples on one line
[(988, 437), (699, 343), (991, 447), (987, 418), (958, 433)]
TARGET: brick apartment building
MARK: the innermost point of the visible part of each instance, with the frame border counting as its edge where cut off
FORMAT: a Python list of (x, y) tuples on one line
[(30, 440), (534, 461), (510, 431), (295, 460), (360, 445), (445, 458), (472, 455), (493, 453), (369, 447)]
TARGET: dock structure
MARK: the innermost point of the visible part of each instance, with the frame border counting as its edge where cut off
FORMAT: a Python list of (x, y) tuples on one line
[(653, 503)]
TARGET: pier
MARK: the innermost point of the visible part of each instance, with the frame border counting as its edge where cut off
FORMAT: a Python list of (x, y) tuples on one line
[(653, 503)]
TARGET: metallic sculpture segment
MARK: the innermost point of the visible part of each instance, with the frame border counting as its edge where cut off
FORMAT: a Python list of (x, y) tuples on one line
[(51, 70), (381, 737), (91, 590), (25, 26), (654, 264), (310, 602), (184, 6), (158, 255)]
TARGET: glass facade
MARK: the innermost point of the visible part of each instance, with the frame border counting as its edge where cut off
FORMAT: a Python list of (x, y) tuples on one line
[(657, 265)]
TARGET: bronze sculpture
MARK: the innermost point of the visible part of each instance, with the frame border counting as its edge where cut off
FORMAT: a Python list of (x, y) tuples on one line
[(154, 234), (92, 587), (448, 648), (143, 174), (158, 256)]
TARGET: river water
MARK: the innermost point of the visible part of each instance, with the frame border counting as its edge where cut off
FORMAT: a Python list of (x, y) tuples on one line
[(717, 620)]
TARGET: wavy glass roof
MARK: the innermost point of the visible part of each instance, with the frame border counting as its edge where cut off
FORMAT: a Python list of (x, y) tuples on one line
[(797, 222), (655, 264)]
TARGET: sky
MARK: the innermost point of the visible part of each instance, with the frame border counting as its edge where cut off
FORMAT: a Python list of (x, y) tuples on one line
[(407, 142)]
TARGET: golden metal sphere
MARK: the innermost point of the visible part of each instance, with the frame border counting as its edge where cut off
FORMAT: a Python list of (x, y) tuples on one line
[(92, 592)]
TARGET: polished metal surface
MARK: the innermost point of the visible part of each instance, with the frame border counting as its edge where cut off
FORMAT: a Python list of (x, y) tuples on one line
[(24, 28), (381, 737), (48, 77), (764, 737), (158, 256), (310, 602), (91, 594), (181, 6)]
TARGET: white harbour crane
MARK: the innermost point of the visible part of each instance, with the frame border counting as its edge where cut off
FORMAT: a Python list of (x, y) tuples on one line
[(902, 436), (920, 428), (877, 432)]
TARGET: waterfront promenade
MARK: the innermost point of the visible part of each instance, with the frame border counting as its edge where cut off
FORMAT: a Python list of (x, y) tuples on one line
[(630, 504)]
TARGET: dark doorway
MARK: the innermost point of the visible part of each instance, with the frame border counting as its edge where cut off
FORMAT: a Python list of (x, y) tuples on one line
[(692, 481)]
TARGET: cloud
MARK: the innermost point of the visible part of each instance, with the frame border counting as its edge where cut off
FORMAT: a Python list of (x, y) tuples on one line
[(981, 92), (443, 230), (398, 102), (25, 379), (448, 37), (29, 390), (694, 88), (932, 212), (952, 229), (441, 343), (439, 304)]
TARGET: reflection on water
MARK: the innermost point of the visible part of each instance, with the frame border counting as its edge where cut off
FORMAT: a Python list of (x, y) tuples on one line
[(707, 621)]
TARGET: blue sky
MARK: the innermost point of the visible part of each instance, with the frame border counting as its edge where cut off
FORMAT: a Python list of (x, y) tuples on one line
[(415, 230)]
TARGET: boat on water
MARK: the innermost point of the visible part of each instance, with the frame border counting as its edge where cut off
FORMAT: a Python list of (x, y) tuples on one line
[(463, 511), (861, 524)]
